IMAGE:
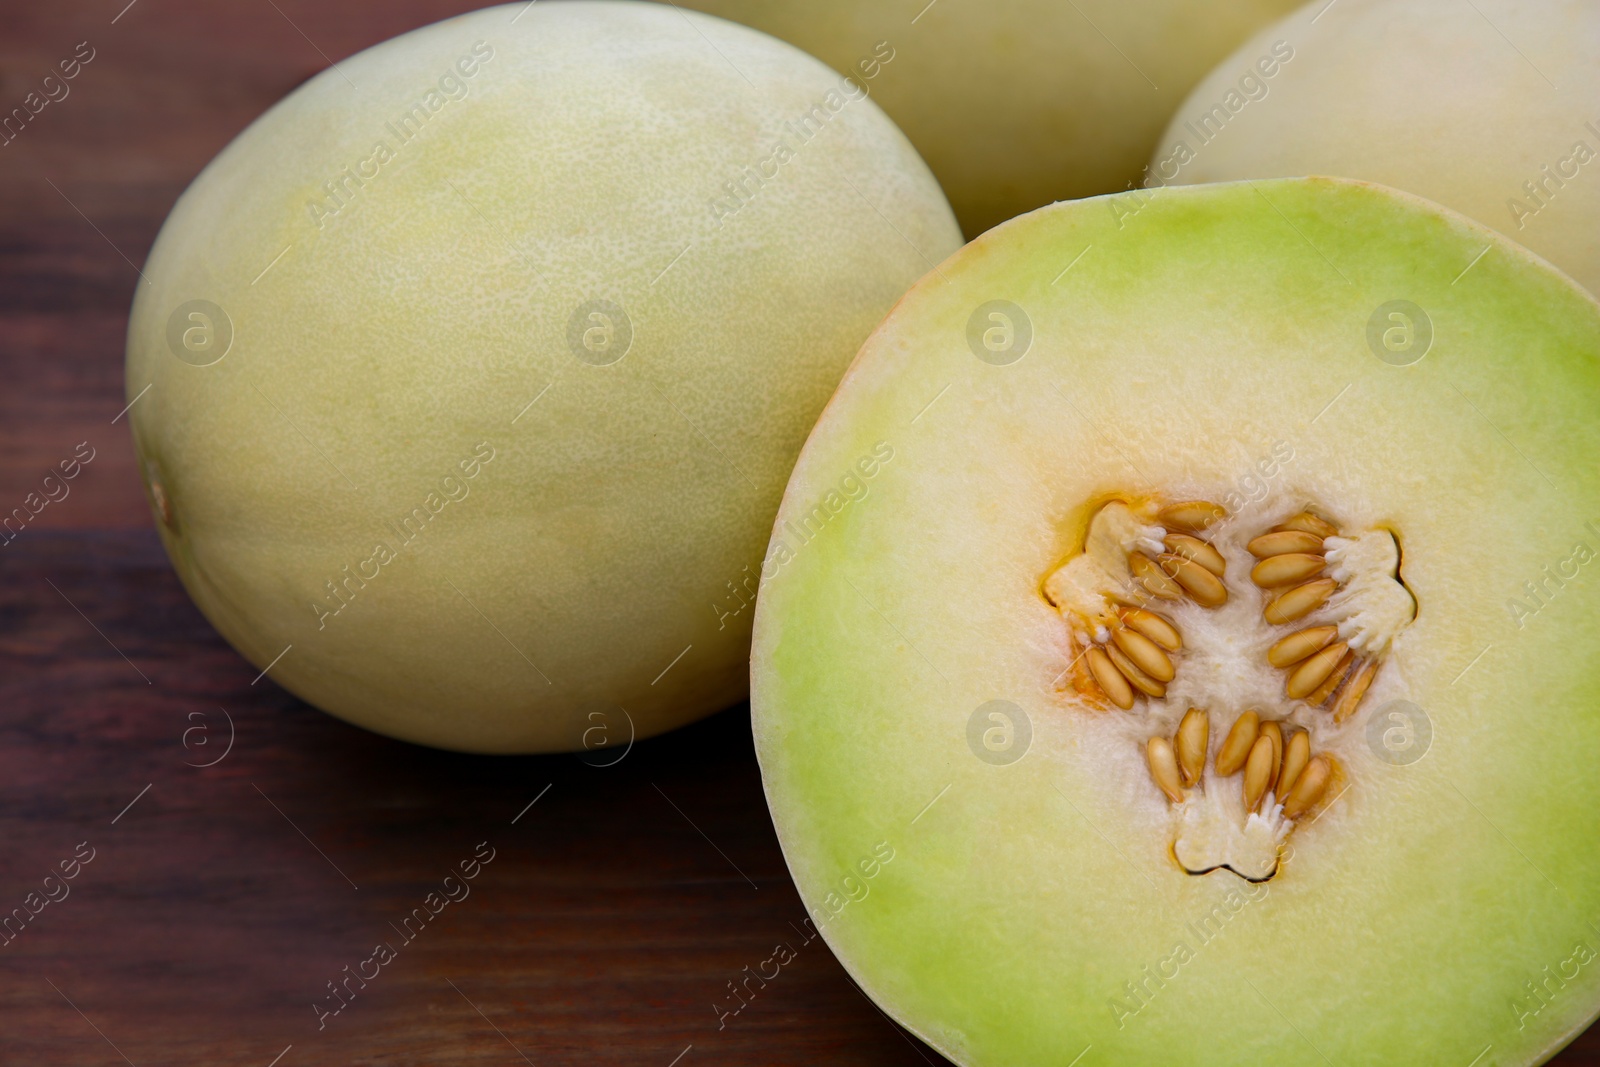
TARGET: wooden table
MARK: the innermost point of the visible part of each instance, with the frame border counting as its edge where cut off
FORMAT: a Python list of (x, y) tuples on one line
[(221, 899)]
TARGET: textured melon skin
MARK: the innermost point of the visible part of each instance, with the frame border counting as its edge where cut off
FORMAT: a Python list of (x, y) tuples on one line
[(378, 347), (1020, 899), (1455, 104), (1017, 103)]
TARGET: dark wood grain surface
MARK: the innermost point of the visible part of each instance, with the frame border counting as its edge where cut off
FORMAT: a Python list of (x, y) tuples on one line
[(220, 900)]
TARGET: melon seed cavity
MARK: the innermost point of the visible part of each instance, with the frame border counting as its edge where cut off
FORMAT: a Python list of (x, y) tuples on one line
[(1331, 602)]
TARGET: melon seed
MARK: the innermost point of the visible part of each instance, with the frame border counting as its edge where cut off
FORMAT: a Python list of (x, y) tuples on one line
[(1154, 627), (1193, 733), (1109, 678), (1308, 789), (1295, 757), (1305, 678), (1282, 542), (1164, 768), (1274, 733), (1148, 573), (1258, 772), (1145, 654), (1191, 514), (1193, 548), (1287, 569), (1236, 746), (1137, 678), (1355, 689), (1206, 588), (1305, 522), (1300, 601), (1300, 644), (1320, 695)]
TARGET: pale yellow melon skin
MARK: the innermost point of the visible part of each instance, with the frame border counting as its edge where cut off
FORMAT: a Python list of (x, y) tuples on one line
[(1018, 103), (1460, 103), (590, 584)]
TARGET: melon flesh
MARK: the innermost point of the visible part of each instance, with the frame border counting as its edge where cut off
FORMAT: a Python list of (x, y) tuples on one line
[(419, 485), (1206, 343), (1491, 108)]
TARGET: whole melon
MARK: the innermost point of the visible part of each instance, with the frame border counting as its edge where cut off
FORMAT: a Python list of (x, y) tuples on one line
[(1016, 103), (466, 381), (1490, 107)]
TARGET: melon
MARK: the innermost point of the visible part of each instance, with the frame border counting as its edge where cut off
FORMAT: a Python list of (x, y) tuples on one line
[(1211, 672), (1491, 108), (1017, 103), (466, 381)]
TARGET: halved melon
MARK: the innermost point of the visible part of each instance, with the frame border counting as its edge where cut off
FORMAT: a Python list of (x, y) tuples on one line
[(1178, 642)]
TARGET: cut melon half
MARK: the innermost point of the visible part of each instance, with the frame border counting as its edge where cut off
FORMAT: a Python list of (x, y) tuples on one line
[(1178, 643)]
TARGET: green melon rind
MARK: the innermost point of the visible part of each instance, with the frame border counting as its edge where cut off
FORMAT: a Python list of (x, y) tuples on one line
[(1005, 921)]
